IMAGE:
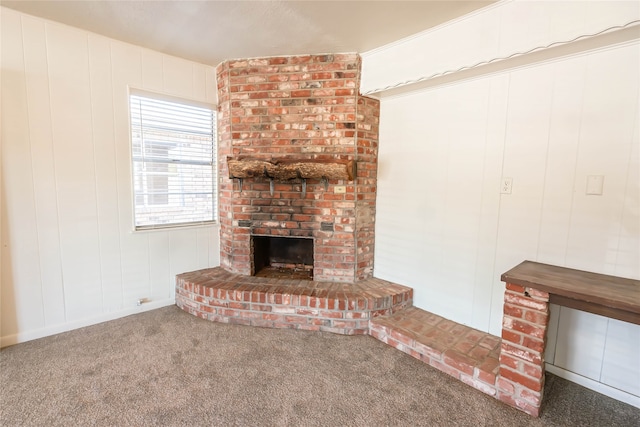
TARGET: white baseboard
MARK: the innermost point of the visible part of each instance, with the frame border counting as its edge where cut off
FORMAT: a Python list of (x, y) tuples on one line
[(601, 388), (64, 327)]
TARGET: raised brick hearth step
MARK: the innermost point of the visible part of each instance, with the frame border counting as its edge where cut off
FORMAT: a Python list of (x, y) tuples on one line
[(218, 295), (467, 354)]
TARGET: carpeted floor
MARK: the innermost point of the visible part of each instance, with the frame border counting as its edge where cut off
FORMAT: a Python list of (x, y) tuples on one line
[(166, 367)]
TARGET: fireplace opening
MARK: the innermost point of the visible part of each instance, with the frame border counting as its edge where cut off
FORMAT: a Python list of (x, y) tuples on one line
[(282, 257)]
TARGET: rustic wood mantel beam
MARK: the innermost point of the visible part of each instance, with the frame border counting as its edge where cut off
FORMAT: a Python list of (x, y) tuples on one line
[(286, 169)]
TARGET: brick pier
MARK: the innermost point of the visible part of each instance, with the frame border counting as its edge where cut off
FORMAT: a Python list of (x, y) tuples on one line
[(524, 326)]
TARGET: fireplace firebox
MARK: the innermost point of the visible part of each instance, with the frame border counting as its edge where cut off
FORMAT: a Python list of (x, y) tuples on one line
[(282, 257)]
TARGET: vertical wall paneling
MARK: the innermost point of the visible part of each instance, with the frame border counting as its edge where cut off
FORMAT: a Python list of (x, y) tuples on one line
[(467, 121), (486, 275), (597, 12), (621, 364), (559, 185), (152, 70), (400, 186), (22, 299), (552, 334), (548, 126), (524, 160), (421, 217), (603, 225), (203, 236), (75, 169), (44, 177), (173, 81), (105, 163), (159, 260), (559, 27), (628, 254), (523, 21), (580, 342), (199, 85), (437, 210), (127, 71), (183, 252), (211, 90), (70, 257), (604, 150), (214, 246)]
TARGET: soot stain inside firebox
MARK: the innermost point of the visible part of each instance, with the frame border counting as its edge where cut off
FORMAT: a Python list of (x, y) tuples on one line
[(283, 257)]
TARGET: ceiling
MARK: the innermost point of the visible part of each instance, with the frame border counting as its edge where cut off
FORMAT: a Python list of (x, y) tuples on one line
[(212, 31)]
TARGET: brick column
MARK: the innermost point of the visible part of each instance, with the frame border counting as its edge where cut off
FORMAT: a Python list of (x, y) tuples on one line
[(303, 107), (367, 125), (524, 326)]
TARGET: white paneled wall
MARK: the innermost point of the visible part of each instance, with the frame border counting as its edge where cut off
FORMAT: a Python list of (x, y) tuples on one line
[(444, 228), (69, 254)]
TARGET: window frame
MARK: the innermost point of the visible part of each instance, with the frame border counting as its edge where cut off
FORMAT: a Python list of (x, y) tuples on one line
[(132, 158)]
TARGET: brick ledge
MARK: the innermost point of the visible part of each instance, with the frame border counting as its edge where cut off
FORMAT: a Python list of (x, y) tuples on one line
[(220, 296), (467, 354)]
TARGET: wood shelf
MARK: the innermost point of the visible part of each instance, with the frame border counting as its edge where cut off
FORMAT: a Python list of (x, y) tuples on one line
[(286, 169), (610, 296)]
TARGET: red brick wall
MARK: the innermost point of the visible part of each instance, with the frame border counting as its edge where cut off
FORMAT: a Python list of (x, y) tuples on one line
[(301, 107)]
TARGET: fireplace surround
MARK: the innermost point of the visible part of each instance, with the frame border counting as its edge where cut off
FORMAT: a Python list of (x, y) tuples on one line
[(279, 119), (302, 110)]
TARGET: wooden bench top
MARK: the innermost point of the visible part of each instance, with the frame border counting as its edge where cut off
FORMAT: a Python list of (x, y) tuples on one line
[(610, 296)]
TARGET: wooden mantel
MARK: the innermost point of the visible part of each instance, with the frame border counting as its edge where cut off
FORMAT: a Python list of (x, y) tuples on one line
[(610, 296), (285, 169)]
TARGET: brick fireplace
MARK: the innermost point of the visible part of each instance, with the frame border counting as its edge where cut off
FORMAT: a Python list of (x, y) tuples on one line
[(297, 163), (298, 158), (298, 108)]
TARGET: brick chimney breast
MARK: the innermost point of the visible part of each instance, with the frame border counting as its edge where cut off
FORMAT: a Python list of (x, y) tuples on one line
[(298, 108)]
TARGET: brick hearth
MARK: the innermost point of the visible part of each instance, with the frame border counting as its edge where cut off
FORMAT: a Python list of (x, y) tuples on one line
[(373, 306), (467, 354), (220, 296)]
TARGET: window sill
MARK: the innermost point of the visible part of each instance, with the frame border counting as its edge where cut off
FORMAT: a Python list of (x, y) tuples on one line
[(175, 227)]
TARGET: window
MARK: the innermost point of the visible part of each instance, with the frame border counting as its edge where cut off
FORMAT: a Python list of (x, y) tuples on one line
[(173, 151)]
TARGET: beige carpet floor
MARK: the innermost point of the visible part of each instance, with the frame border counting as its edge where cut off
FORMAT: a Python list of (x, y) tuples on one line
[(166, 367)]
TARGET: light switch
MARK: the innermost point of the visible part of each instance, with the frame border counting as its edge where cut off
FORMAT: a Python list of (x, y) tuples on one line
[(595, 185), (340, 189)]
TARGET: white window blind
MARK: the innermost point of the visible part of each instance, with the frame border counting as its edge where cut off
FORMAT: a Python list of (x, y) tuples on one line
[(173, 152)]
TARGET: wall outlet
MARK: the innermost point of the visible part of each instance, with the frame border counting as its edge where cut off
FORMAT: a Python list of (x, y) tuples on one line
[(340, 189), (505, 185)]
